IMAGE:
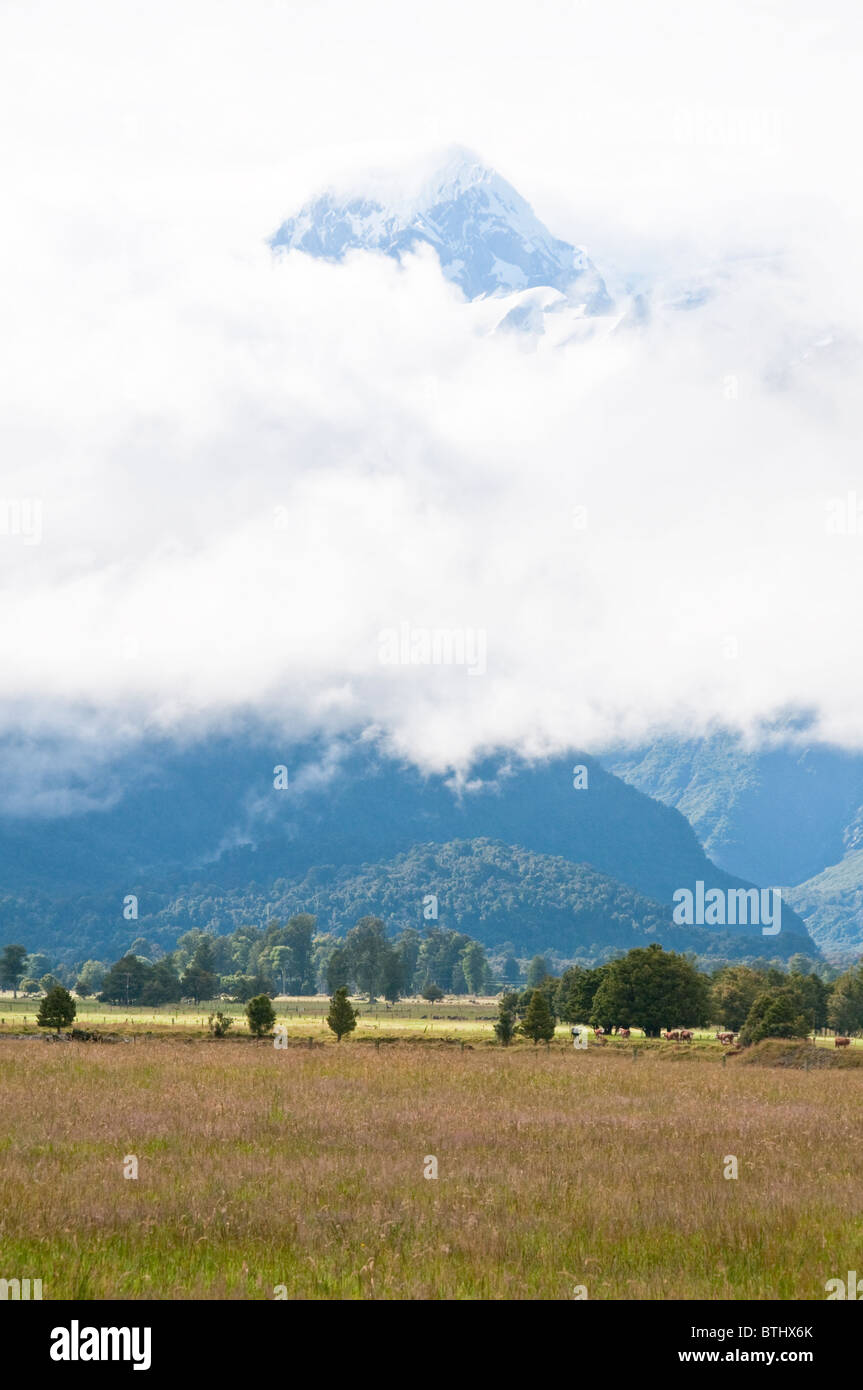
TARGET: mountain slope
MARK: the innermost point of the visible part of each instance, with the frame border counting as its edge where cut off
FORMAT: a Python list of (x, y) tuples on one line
[(209, 814), (831, 904), (500, 894), (787, 814), (776, 814), (487, 237)]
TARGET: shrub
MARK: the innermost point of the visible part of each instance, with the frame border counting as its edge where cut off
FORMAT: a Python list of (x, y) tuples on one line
[(342, 1017), (57, 1009), (505, 1026), (538, 1021), (261, 1014)]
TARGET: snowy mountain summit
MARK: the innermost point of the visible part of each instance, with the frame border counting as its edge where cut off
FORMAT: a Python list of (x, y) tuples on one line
[(487, 237)]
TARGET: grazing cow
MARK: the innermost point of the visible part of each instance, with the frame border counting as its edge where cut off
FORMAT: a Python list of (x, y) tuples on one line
[(842, 1042), (623, 1032), (686, 1035), (599, 1032), (672, 1037), (726, 1039)]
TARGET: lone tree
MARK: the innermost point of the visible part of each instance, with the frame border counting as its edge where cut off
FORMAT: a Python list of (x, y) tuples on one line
[(57, 1009), (261, 1014), (505, 1026), (538, 1021), (342, 1017), (432, 992), (650, 988)]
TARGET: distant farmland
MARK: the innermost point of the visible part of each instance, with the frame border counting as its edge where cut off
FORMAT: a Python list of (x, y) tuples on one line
[(304, 1168), (468, 1019)]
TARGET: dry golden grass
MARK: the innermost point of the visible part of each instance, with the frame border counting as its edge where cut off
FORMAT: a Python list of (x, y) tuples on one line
[(261, 1167)]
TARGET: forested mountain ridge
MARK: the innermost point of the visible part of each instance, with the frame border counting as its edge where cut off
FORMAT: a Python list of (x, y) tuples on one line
[(501, 895), (210, 820)]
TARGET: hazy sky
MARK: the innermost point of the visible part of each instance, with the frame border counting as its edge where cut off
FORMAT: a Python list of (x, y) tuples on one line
[(247, 470)]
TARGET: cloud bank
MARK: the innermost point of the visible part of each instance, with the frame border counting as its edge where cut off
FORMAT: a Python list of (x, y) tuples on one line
[(246, 470)]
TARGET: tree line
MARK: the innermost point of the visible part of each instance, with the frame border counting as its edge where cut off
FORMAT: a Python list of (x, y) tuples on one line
[(291, 958), (646, 988)]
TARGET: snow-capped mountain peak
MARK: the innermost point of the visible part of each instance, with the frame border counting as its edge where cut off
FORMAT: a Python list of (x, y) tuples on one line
[(487, 237)]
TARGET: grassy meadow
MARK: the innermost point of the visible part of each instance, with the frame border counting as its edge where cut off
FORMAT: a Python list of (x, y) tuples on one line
[(304, 1015), (304, 1167), (467, 1019)]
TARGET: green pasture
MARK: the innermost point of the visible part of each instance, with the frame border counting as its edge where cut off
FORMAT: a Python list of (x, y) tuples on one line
[(305, 1016)]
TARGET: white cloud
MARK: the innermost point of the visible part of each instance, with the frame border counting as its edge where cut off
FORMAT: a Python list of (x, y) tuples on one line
[(248, 469)]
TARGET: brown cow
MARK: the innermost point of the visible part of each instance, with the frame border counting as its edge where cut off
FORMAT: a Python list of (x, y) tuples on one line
[(672, 1037), (842, 1042), (598, 1032), (727, 1039), (623, 1032), (686, 1035)]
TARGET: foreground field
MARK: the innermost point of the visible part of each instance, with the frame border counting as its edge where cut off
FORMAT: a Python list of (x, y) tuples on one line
[(305, 1168)]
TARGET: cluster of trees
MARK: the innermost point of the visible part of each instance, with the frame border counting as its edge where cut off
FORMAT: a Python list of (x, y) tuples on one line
[(436, 962), (652, 989), (293, 958), (25, 971), (768, 1003), (648, 988), (530, 1014)]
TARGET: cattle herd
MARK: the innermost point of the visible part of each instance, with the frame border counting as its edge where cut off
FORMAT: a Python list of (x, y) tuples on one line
[(678, 1035), (686, 1035)]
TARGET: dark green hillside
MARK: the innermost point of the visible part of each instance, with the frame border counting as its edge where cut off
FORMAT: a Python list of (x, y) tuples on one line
[(491, 891), (202, 837)]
